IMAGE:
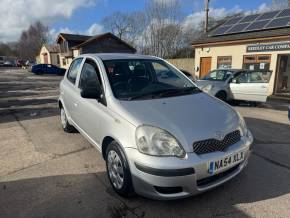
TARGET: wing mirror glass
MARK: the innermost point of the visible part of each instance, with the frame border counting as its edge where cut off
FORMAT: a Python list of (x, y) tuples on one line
[(91, 93), (235, 81)]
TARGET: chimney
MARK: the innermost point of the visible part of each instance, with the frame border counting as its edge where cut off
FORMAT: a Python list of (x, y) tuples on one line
[(206, 9)]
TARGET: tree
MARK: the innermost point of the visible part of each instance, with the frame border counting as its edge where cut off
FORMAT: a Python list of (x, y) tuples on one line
[(31, 40), (127, 26), (8, 49), (118, 23), (163, 35)]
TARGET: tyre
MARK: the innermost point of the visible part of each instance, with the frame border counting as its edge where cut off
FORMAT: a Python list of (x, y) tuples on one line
[(118, 170), (222, 96), (64, 122)]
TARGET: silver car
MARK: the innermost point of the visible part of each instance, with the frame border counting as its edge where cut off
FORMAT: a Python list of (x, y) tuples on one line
[(231, 84), (160, 135)]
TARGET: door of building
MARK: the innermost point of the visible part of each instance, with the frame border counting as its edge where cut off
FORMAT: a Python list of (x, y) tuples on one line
[(282, 83), (205, 66), (45, 58)]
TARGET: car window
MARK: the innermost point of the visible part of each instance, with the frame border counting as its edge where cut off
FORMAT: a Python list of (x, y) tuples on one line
[(132, 79), (259, 76), (254, 77), (90, 76), (73, 70), (218, 75), (166, 75), (242, 78)]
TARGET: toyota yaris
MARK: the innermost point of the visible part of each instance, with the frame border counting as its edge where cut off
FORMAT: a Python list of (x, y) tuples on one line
[(160, 135)]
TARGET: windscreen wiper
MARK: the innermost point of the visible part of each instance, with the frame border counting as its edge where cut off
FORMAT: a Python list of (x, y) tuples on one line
[(166, 93), (176, 92)]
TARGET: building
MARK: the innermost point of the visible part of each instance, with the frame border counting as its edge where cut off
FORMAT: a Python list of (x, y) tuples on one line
[(49, 54), (255, 42), (66, 42), (72, 45)]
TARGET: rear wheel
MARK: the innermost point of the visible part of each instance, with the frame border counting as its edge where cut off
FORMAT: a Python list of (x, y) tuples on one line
[(64, 122), (222, 96), (118, 170)]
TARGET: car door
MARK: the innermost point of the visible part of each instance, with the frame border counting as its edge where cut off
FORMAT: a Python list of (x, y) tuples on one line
[(53, 69), (69, 90), (90, 112), (251, 86), (48, 69)]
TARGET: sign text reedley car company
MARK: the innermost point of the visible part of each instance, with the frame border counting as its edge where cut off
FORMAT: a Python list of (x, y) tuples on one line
[(269, 47)]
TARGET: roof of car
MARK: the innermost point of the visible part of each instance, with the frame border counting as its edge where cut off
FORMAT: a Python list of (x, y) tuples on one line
[(242, 70), (117, 56)]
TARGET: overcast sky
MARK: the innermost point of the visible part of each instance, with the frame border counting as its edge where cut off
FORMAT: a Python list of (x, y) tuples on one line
[(84, 16)]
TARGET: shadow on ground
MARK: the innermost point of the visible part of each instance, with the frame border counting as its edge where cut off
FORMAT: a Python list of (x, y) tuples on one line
[(89, 195), (27, 113)]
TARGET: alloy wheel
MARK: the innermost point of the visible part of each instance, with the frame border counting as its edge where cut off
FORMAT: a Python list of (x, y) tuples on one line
[(115, 169)]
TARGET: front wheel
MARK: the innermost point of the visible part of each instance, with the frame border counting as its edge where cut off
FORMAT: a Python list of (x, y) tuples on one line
[(222, 96), (64, 122), (118, 170)]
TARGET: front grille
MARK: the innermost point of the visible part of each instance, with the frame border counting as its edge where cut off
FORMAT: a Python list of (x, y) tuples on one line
[(212, 145)]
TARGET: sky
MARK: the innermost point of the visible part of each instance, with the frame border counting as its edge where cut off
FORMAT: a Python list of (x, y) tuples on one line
[(85, 16)]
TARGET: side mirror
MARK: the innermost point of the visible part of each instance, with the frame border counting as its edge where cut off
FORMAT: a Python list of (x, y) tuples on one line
[(91, 93), (235, 81)]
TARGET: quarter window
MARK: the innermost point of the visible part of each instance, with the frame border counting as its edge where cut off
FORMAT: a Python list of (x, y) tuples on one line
[(73, 70)]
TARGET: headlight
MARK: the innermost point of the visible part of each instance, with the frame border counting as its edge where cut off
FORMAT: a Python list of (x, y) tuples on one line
[(242, 125), (157, 142), (207, 88)]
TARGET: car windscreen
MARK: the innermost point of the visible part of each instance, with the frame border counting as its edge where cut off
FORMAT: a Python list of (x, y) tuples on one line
[(132, 79), (218, 75)]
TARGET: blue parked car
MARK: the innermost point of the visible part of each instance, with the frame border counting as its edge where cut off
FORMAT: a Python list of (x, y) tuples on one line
[(47, 69)]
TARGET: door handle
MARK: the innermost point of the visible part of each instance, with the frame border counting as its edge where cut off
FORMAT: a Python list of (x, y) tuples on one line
[(263, 87), (75, 104)]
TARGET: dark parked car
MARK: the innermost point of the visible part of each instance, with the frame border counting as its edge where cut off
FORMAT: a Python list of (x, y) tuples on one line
[(9, 64), (47, 69)]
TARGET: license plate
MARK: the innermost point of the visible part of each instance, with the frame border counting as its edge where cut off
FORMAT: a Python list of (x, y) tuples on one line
[(219, 165)]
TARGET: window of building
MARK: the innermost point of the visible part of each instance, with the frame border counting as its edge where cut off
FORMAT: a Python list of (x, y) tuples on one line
[(257, 62), (58, 59), (224, 62), (63, 62)]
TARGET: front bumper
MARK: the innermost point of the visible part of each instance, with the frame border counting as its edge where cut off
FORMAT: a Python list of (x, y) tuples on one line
[(172, 178)]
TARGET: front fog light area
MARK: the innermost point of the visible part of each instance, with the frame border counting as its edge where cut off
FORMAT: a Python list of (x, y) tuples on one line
[(157, 142)]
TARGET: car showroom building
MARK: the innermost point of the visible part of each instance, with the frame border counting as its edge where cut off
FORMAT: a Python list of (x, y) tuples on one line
[(253, 42)]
